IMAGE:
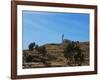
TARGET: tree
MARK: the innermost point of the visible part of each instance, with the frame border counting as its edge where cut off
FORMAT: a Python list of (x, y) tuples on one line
[(31, 46), (69, 53), (73, 53), (79, 57)]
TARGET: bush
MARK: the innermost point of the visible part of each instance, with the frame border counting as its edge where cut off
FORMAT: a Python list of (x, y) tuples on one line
[(31, 46)]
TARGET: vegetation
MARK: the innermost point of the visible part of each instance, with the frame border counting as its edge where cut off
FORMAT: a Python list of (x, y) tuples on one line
[(31, 46), (73, 54)]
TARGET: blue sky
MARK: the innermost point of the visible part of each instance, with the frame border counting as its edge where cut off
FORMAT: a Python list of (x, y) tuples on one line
[(48, 27)]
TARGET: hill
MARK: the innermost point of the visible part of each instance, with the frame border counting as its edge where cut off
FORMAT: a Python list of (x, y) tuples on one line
[(67, 53)]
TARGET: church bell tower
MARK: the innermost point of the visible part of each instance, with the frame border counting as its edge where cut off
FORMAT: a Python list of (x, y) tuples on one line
[(62, 38)]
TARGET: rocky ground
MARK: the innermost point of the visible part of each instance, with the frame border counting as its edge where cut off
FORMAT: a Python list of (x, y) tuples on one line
[(53, 57)]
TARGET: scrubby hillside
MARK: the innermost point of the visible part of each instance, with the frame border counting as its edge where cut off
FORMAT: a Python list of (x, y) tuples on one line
[(68, 53)]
